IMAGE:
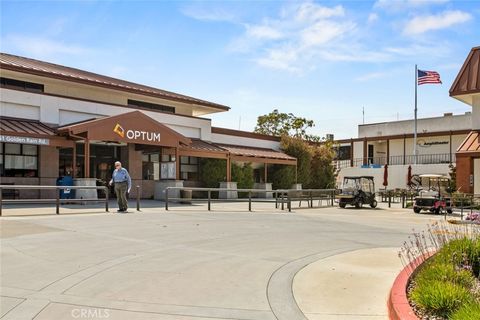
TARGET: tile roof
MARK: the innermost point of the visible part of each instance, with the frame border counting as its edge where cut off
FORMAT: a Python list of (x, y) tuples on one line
[(200, 145), (256, 152), (471, 143), (468, 78), (23, 126), (46, 69)]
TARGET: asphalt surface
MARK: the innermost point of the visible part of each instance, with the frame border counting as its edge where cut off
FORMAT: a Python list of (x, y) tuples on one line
[(188, 263)]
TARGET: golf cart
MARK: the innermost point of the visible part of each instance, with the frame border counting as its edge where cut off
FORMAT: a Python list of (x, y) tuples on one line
[(431, 197), (357, 191)]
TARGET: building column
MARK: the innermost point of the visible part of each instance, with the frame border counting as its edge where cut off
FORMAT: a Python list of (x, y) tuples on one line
[(86, 163), (404, 146), (74, 161), (388, 151), (365, 152), (177, 164), (229, 169), (450, 145), (351, 152), (266, 173)]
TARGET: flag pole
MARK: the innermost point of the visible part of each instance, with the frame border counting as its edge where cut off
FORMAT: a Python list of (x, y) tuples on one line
[(415, 132)]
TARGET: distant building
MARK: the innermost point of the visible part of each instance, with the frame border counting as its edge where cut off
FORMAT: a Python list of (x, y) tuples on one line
[(391, 143)]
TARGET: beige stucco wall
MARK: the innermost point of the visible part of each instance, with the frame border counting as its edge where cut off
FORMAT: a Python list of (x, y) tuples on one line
[(445, 123), (83, 91), (60, 111)]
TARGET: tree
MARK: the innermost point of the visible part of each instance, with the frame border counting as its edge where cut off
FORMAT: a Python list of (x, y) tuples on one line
[(279, 124)]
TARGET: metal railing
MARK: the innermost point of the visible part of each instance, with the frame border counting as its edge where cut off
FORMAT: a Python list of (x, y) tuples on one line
[(57, 200), (279, 197), (437, 158)]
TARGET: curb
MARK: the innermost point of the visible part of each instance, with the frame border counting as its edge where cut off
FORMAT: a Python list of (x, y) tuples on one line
[(397, 304)]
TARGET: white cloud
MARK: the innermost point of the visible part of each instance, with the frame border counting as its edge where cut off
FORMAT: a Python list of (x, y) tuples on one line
[(372, 17), (310, 12), (421, 24), (41, 47), (263, 32), (208, 14), (323, 32), (300, 33), (405, 4)]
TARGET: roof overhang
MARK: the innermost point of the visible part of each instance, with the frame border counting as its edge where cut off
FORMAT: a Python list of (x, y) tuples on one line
[(131, 127), (467, 82)]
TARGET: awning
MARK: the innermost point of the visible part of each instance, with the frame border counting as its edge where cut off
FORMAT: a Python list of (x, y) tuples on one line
[(252, 154), (203, 149), (467, 82), (470, 144), (131, 127), (14, 130)]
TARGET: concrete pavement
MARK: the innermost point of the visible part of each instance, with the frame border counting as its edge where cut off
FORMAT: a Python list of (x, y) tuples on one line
[(188, 263)]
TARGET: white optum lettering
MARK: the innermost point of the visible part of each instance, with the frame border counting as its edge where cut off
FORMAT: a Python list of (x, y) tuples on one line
[(143, 135)]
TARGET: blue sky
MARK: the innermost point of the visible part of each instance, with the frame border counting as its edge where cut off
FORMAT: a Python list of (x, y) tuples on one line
[(324, 60)]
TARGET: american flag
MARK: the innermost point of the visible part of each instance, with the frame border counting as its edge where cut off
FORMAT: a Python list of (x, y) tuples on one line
[(425, 77)]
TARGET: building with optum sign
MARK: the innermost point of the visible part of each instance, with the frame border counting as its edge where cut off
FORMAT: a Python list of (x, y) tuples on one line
[(60, 121)]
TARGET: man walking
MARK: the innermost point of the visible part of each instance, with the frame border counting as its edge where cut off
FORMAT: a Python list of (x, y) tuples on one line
[(122, 184)]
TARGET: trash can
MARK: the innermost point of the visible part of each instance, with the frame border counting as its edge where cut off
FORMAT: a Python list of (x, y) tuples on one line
[(65, 181), (186, 196)]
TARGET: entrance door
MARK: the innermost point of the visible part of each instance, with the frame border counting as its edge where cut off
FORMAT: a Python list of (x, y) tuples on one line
[(476, 176)]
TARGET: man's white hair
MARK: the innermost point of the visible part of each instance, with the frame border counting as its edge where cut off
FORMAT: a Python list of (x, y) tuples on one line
[(118, 162)]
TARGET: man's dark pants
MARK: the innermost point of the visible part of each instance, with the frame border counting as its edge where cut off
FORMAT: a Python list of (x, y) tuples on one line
[(121, 193)]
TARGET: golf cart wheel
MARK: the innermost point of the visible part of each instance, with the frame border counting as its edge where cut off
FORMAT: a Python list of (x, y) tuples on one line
[(438, 210), (449, 211), (417, 210), (342, 204), (358, 204), (373, 204)]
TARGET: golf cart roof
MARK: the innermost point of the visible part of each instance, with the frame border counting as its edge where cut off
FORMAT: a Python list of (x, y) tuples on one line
[(433, 176), (358, 177)]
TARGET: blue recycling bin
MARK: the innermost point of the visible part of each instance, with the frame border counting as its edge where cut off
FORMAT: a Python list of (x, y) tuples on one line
[(65, 181)]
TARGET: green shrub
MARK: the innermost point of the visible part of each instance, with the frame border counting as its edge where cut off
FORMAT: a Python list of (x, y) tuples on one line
[(302, 151), (281, 176), (322, 170), (435, 271), (212, 172), (469, 311), (243, 175), (460, 252), (440, 298)]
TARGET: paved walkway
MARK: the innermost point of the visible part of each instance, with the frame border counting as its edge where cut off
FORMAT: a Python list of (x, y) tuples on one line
[(189, 263)]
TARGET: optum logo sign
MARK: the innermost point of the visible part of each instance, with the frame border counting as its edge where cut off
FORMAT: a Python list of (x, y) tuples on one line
[(136, 134)]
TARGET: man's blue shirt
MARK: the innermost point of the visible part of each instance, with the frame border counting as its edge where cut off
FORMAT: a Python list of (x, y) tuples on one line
[(121, 175)]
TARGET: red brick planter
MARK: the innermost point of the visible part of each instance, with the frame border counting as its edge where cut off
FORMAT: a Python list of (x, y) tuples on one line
[(398, 306)]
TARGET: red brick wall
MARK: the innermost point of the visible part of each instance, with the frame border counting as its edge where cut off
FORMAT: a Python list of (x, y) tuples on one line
[(464, 169)]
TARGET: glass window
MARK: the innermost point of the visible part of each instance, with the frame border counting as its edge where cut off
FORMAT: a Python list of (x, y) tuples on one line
[(30, 163), (145, 157), (17, 160), (165, 157), (183, 160), (12, 148), (13, 162), (193, 160), (155, 157), (29, 149)]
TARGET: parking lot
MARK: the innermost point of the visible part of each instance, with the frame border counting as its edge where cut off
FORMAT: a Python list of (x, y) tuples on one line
[(189, 263)]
